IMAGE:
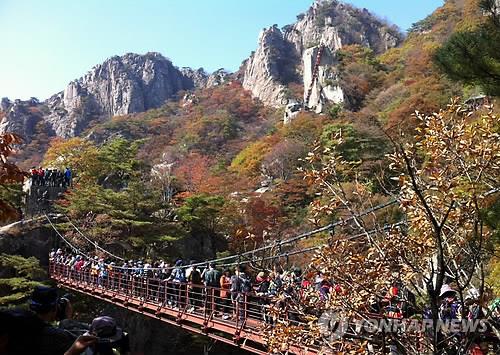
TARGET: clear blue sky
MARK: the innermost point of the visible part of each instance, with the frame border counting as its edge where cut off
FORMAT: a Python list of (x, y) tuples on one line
[(47, 43)]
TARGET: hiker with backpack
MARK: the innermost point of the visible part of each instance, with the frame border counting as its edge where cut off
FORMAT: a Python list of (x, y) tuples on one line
[(177, 278), (240, 288), (194, 289), (212, 283)]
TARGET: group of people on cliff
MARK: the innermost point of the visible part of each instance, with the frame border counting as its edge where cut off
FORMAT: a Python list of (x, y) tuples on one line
[(51, 177)]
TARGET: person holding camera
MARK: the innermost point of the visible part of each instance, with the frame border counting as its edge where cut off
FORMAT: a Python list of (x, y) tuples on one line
[(49, 308)]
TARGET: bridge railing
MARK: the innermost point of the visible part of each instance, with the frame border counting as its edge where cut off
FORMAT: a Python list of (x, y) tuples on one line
[(247, 310)]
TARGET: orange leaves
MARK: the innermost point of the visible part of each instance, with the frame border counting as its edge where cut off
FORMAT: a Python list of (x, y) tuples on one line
[(444, 178), (7, 140), (193, 170), (446, 175), (78, 153), (9, 172)]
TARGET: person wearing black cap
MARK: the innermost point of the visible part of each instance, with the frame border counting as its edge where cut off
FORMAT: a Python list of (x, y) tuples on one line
[(53, 341)]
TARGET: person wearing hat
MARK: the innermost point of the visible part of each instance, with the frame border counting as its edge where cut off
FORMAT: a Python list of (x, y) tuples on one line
[(53, 341), (449, 308), (110, 338)]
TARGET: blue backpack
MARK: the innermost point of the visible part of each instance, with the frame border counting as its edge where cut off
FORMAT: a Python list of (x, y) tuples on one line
[(179, 275), (245, 284)]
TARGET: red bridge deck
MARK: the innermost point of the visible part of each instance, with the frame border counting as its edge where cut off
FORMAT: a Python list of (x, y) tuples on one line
[(197, 309)]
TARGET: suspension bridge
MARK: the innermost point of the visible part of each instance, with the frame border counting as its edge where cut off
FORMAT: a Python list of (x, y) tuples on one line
[(198, 308)]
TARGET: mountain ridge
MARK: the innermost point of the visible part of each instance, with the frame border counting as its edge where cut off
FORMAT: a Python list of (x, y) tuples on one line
[(134, 83)]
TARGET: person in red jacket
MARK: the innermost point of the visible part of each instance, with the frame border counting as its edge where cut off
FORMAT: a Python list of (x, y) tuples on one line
[(41, 176)]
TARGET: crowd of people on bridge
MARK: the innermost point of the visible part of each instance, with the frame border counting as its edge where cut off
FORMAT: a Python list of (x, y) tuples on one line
[(51, 177), (182, 284), (231, 294), (187, 284)]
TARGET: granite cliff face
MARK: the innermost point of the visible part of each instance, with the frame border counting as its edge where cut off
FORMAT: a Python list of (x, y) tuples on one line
[(121, 85), (270, 67), (201, 79), (19, 116), (283, 55)]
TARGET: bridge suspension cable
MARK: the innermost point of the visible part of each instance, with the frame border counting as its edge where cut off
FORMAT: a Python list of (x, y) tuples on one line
[(74, 248), (281, 242), (313, 248), (286, 241), (92, 242), (239, 262), (302, 235)]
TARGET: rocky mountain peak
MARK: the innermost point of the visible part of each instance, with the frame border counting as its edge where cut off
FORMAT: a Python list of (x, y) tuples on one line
[(279, 58), (270, 67), (19, 116), (201, 79), (120, 85)]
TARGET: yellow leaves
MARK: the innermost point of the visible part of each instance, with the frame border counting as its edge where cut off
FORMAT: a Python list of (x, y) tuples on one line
[(78, 153), (443, 177)]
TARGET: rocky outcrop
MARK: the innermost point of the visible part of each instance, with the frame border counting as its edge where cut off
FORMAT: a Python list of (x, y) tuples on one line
[(20, 117), (30, 237), (270, 67), (121, 85), (325, 87), (282, 55), (218, 77), (334, 24), (40, 199), (201, 79), (198, 77)]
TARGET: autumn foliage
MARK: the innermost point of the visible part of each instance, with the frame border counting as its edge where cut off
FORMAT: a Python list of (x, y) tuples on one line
[(447, 177), (10, 173)]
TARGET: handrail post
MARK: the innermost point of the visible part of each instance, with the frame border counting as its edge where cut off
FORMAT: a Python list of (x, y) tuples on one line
[(245, 310), (212, 299), (237, 303), (205, 305)]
